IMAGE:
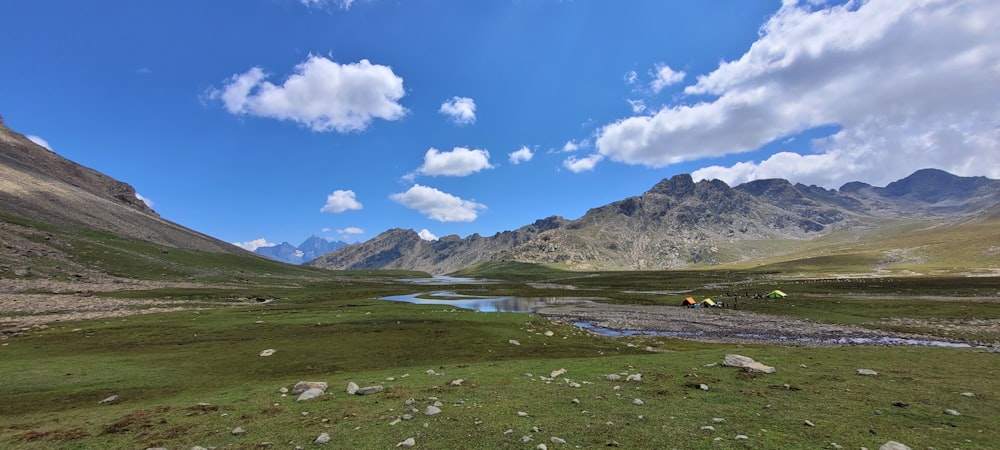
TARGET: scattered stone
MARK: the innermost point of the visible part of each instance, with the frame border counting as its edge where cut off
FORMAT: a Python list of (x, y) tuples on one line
[(836, 445), (867, 372), (556, 440), (613, 377), (514, 342), (432, 410), (368, 390), (310, 394), (406, 417), (893, 445), (457, 382), (718, 420), (741, 437), (283, 390), (636, 377), (809, 424), (638, 402), (708, 428), (522, 414), (268, 352), (352, 388), (409, 442), (526, 438), (575, 401), (431, 372), (322, 439), (746, 363), (952, 412), (303, 386), (238, 431), (968, 394), (803, 366), (549, 333), (542, 447), (703, 387), (557, 373), (396, 421), (110, 400), (438, 403)]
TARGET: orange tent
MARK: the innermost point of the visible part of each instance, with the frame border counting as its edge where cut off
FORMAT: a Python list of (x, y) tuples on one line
[(689, 302)]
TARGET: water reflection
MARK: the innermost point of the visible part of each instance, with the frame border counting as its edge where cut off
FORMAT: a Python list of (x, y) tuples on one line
[(483, 304)]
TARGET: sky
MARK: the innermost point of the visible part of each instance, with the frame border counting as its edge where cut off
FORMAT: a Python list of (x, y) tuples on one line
[(263, 121)]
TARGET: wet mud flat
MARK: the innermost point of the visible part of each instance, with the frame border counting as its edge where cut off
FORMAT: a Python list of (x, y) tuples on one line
[(724, 326)]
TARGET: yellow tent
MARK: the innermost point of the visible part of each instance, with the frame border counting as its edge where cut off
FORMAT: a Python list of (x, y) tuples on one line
[(776, 294), (708, 303)]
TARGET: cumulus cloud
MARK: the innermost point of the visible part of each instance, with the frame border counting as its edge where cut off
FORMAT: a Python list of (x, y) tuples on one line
[(459, 162), (631, 77), (909, 83), (572, 145), (254, 244), (524, 154), (39, 141), (350, 231), (461, 110), (577, 165), (340, 201), (426, 235), (147, 201), (664, 76), (322, 95), (438, 205)]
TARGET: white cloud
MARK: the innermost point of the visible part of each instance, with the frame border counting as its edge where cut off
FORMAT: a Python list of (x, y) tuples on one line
[(910, 84), (572, 146), (350, 230), (39, 141), (426, 235), (438, 205), (638, 106), (340, 201), (577, 165), (664, 76), (322, 95), (298, 253), (523, 154), (147, 201), (254, 244), (631, 77), (461, 110), (459, 162), (325, 230), (342, 4)]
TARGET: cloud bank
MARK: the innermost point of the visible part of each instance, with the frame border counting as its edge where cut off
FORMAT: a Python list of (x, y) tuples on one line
[(908, 83), (254, 244), (438, 205)]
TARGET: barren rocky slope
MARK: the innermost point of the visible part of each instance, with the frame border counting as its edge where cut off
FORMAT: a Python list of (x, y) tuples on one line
[(679, 223)]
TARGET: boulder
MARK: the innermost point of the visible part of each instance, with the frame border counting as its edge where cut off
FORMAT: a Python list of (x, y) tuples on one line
[(746, 363), (322, 439), (368, 390), (310, 394), (352, 388), (893, 445), (867, 372), (268, 352), (303, 386)]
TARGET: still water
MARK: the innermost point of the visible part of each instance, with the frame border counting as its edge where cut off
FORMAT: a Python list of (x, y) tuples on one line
[(483, 304)]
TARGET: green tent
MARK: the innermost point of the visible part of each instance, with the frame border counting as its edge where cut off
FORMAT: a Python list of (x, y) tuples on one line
[(776, 294)]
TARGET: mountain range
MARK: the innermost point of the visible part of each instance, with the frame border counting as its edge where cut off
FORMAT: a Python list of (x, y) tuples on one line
[(308, 250), (680, 223)]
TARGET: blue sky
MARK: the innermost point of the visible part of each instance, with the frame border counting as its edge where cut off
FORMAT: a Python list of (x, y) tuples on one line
[(264, 121)]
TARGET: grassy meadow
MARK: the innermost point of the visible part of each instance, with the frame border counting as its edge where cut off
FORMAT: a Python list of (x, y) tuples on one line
[(195, 378)]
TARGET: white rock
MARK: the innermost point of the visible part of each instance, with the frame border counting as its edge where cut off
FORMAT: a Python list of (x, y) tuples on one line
[(409, 442), (638, 402), (431, 372), (283, 390), (718, 420), (542, 447), (634, 377), (549, 333), (575, 401), (514, 342), (557, 373), (238, 431), (268, 352), (968, 394), (303, 386), (746, 363), (556, 440), (432, 410), (522, 414), (952, 412), (368, 390), (322, 439), (352, 388), (457, 382), (893, 445), (741, 437), (867, 372), (809, 423), (110, 400), (613, 377), (310, 394), (708, 428), (703, 387), (525, 438)]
